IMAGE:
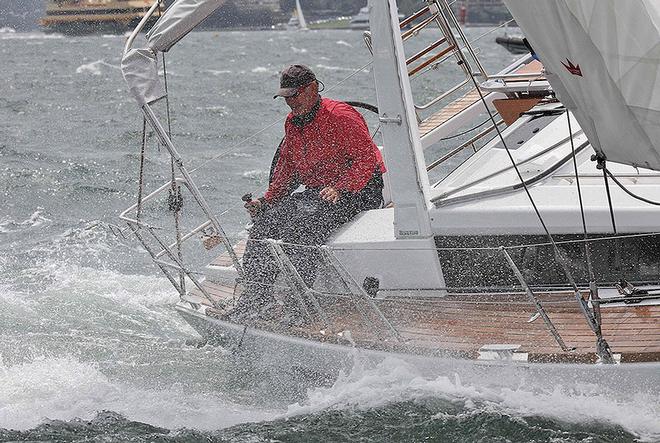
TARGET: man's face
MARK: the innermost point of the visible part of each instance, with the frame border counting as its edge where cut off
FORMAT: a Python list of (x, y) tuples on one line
[(304, 99)]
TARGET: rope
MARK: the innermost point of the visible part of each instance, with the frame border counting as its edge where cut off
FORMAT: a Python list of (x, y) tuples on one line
[(465, 132), (628, 191)]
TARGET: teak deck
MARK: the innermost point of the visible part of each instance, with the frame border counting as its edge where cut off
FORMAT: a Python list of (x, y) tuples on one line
[(449, 111), (463, 324)]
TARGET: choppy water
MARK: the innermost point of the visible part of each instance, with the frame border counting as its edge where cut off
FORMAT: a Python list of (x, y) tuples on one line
[(90, 347)]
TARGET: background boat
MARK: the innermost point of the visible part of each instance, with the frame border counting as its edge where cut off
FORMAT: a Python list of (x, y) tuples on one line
[(92, 16), (297, 21)]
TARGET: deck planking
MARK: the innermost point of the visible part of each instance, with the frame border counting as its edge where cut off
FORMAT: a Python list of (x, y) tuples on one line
[(446, 113), (457, 323)]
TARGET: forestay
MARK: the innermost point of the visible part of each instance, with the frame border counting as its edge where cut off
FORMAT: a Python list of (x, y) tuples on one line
[(139, 66), (602, 58)]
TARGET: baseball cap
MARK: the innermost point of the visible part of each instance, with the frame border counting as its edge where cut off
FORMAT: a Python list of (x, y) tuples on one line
[(292, 78)]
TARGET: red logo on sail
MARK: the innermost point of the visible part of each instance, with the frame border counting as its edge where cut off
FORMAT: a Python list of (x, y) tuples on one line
[(573, 69)]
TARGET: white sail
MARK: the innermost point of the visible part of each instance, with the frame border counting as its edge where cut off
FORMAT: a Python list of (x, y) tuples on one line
[(602, 58), (301, 17)]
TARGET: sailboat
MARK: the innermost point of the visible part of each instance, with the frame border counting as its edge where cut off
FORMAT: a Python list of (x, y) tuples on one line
[(297, 21), (538, 256)]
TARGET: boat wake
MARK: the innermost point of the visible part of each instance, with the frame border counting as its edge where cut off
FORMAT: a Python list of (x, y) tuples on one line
[(395, 382), (64, 388)]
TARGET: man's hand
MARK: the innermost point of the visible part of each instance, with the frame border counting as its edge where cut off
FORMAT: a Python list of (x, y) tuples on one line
[(254, 207), (329, 194)]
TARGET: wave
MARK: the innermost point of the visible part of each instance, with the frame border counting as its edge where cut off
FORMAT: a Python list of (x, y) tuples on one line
[(263, 70), (36, 220), (94, 68), (395, 381), (65, 388), (256, 174), (28, 36), (217, 72), (298, 50), (217, 109), (343, 43), (338, 68)]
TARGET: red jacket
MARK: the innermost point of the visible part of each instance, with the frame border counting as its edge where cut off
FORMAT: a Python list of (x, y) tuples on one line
[(335, 149)]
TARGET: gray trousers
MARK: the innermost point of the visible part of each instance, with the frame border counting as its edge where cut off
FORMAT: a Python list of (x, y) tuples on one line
[(299, 220)]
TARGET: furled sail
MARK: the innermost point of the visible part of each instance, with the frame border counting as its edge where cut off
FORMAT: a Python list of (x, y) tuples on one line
[(602, 58), (179, 19), (140, 65)]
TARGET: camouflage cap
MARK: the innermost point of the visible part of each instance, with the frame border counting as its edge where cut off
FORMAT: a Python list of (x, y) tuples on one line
[(292, 78)]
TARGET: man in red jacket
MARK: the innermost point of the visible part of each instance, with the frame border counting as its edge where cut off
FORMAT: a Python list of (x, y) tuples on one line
[(327, 149)]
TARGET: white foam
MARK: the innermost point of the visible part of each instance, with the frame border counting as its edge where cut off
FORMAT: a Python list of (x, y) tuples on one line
[(36, 220), (298, 50), (28, 36), (217, 72), (137, 290), (255, 174), (94, 68), (262, 70), (337, 68), (394, 380), (218, 109), (65, 388), (343, 43)]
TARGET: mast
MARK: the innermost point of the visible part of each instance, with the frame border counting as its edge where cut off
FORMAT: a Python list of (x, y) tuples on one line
[(403, 150)]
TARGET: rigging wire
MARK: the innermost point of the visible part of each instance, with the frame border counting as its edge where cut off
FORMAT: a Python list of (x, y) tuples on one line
[(234, 148), (603, 165), (579, 189), (603, 351), (141, 173), (175, 200), (601, 344)]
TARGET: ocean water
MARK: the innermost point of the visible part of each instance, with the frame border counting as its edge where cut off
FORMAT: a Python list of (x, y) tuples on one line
[(90, 346)]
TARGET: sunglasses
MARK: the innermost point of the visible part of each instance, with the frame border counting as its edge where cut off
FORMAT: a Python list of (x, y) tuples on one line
[(299, 90)]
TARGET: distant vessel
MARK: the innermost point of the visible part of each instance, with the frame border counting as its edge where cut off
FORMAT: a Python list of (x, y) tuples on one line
[(297, 21), (515, 44), (90, 16), (360, 20)]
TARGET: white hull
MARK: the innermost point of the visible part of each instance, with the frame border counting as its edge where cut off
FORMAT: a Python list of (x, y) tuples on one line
[(326, 360), (455, 273)]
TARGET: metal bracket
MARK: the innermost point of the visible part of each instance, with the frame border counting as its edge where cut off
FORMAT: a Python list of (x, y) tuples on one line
[(385, 119)]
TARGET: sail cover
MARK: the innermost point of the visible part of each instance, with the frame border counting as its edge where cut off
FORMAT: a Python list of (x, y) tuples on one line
[(602, 58), (140, 65), (179, 20)]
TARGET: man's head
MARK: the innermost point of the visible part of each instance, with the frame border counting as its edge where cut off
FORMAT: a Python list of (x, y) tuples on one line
[(299, 87)]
